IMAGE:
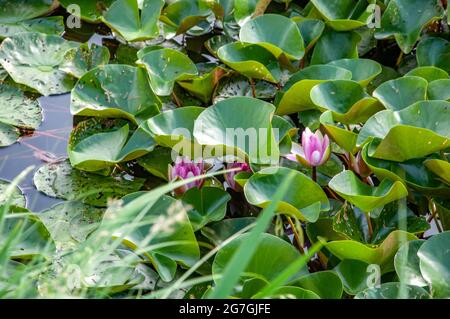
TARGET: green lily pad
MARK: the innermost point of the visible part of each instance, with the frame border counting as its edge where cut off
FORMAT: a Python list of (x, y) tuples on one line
[(240, 86), (295, 95), (392, 290), (354, 275), (165, 223), (400, 93), (60, 180), (326, 284), (205, 205), (239, 126), (84, 58), (50, 25), (429, 73), (40, 71), (363, 70), (97, 144), (203, 86), (440, 168), (310, 30), (98, 93), (405, 19), (434, 51), (245, 9), (157, 162), (340, 135), (439, 90), (406, 264), (382, 255), (16, 198), (434, 258), (90, 10), (16, 111), (185, 14), (251, 60), (391, 131), (304, 200), (343, 15), (346, 99), (219, 231), (265, 31), (335, 45), (30, 241), (365, 197), (268, 261), (71, 222), (131, 23), (175, 128), (410, 172), (165, 67)]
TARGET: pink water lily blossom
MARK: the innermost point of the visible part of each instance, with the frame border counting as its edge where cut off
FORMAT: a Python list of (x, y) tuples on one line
[(315, 149), (185, 168), (229, 177)]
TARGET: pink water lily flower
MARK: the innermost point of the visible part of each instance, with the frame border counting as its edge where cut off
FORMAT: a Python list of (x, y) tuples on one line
[(229, 177), (185, 168), (315, 149)]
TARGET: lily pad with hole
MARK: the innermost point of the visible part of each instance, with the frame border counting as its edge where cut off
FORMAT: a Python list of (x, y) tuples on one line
[(363, 70), (131, 23), (346, 99), (295, 95), (365, 197), (241, 127), (265, 31), (97, 144), (41, 71), (391, 131), (251, 60), (304, 200), (400, 93), (434, 51), (405, 19), (98, 93), (165, 67), (60, 180), (17, 111)]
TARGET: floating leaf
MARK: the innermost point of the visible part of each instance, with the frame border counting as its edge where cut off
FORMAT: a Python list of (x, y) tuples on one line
[(434, 258), (363, 70), (365, 197), (346, 99), (164, 224), (240, 86), (406, 264), (400, 93), (60, 180), (382, 255), (239, 126), (440, 168), (265, 31), (391, 132), (392, 290), (343, 137), (334, 45), (185, 14), (50, 25), (295, 95), (269, 259), (71, 222), (405, 19), (165, 67), (40, 71), (16, 198), (325, 284), (16, 111), (205, 205), (435, 52), (310, 29), (304, 200), (439, 90), (90, 10), (131, 23), (429, 73), (84, 58), (96, 144), (219, 231), (354, 275), (251, 60), (98, 93), (157, 162)]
